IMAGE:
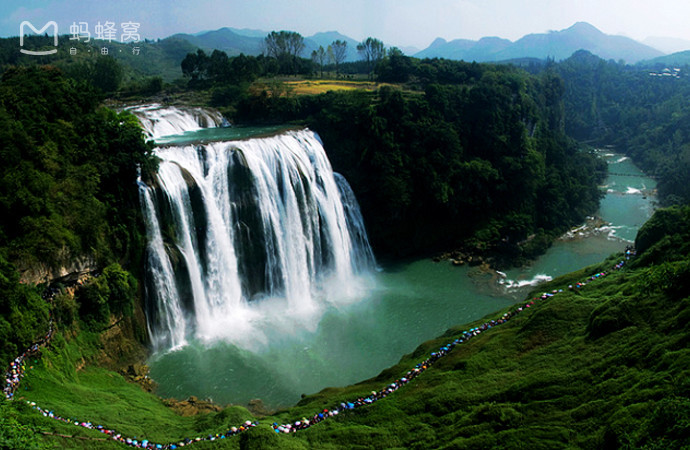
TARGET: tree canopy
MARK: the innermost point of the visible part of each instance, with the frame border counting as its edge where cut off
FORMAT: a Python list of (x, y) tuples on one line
[(372, 51), (339, 53), (481, 142), (67, 190), (643, 112), (286, 47)]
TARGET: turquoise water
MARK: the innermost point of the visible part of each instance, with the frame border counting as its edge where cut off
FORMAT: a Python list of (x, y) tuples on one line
[(398, 307), (627, 205), (405, 305), (222, 133)]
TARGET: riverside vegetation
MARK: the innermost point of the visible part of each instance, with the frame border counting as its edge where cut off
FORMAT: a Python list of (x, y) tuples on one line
[(455, 140), (67, 190), (624, 382)]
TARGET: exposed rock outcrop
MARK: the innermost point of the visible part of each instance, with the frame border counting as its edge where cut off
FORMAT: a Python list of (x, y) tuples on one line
[(192, 406), (77, 269)]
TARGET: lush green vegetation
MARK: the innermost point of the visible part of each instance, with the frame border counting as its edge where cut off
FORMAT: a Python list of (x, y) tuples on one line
[(23, 313), (154, 60), (604, 366), (481, 142), (645, 116), (459, 155), (106, 397), (67, 191), (64, 160)]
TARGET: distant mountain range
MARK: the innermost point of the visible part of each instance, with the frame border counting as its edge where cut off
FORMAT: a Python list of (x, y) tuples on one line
[(229, 40), (554, 44), (234, 41), (678, 59)]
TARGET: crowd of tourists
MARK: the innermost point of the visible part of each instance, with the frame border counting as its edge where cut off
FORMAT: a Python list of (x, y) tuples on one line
[(435, 356), (143, 443), (17, 370), (397, 384)]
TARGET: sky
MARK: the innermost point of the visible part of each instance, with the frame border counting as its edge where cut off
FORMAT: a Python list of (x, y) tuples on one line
[(396, 22)]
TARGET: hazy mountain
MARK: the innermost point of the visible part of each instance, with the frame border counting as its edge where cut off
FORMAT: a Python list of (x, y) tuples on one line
[(562, 44), (481, 50), (667, 44), (441, 48), (224, 39), (555, 44), (677, 59), (249, 32), (327, 38), (234, 41), (409, 50)]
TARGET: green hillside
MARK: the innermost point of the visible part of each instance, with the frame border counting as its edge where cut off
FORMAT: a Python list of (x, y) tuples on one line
[(606, 365), (152, 59), (678, 59)]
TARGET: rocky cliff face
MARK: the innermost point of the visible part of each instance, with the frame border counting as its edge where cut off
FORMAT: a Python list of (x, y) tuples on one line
[(76, 269)]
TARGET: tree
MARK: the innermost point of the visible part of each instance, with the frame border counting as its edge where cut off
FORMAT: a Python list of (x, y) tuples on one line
[(395, 67), (107, 74), (319, 57), (339, 54), (244, 68), (195, 66), (218, 66), (152, 86), (286, 47), (372, 51)]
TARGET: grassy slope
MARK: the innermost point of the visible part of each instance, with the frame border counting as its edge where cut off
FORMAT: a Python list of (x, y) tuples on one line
[(584, 369), (104, 397), (605, 366)]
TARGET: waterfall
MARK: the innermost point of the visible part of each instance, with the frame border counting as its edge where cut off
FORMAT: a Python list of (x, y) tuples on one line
[(158, 120), (244, 229), (355, 223), (170, 322)]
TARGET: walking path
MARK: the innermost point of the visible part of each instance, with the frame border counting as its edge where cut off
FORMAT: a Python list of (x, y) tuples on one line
[(17, 370)]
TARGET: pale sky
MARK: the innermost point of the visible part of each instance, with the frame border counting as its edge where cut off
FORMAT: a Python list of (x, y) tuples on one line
[(396, 22)]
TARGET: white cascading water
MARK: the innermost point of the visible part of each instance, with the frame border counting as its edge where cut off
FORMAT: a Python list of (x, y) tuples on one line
[(158, 121), (259, 233), (171, 327)]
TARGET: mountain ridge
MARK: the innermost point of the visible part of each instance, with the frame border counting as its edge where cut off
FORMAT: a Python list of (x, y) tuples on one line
[(676, 59), (234, 41), (554, 44), (558, 45)]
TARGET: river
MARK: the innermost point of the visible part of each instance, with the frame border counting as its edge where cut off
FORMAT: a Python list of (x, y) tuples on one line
[(398, 307), (628, 204)]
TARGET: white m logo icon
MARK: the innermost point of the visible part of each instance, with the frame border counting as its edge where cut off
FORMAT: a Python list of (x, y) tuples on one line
[(25, 24)]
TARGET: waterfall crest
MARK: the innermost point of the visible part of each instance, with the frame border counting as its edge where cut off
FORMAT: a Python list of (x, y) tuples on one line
[(242, 230), (158, 121)]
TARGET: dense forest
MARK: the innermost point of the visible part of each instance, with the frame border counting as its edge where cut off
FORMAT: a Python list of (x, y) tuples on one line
[(491, 159), (468, 155), (481, 163), (643, 112), (623, 384), (67, 191)]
